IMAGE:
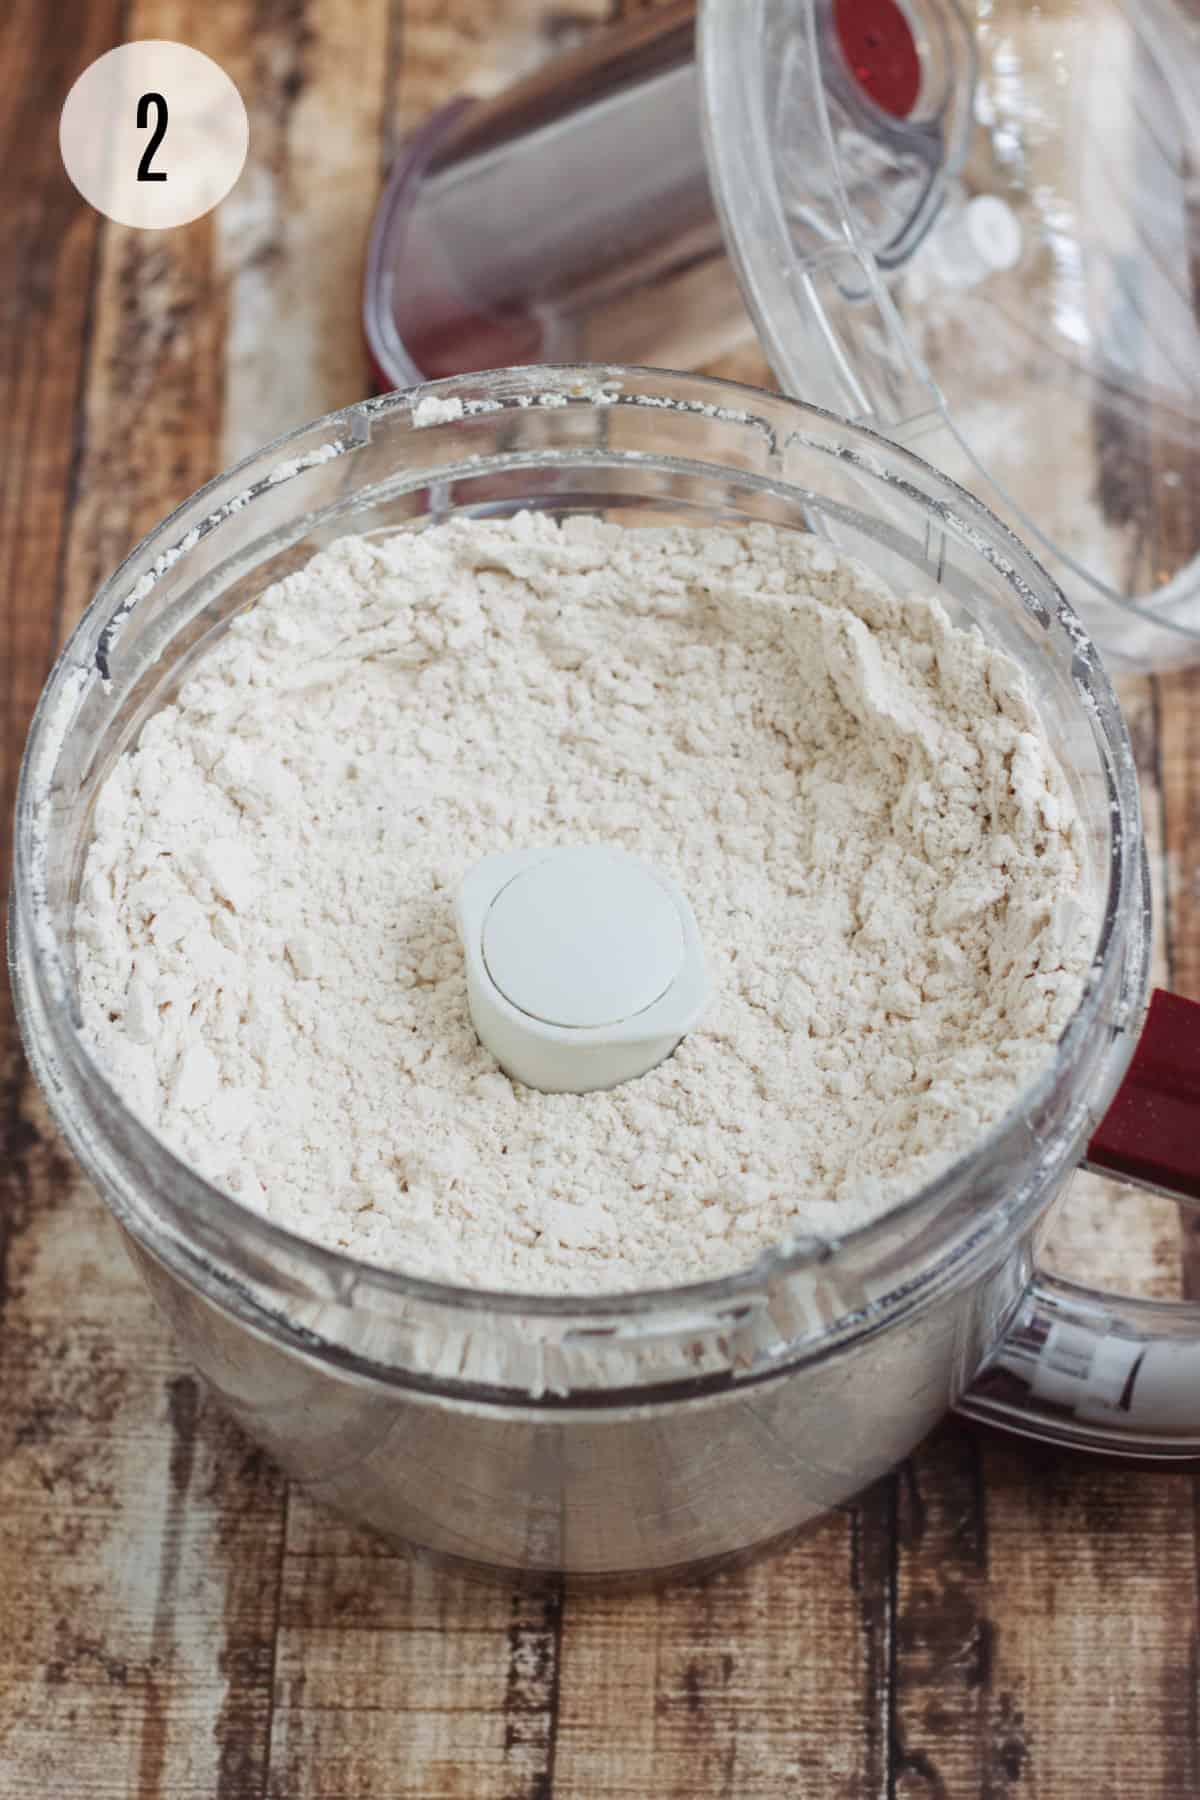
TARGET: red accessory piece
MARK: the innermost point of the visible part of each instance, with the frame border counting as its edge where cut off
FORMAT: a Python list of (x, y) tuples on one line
[(877, 42), (1151, 1132)]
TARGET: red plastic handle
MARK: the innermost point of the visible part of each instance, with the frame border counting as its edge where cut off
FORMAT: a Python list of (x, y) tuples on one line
[(1151, 1132)]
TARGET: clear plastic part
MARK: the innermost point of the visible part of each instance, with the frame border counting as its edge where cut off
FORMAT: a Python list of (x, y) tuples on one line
[(995, 265), (1042, 345), (573, 215), (557, 220), (647, 1432)]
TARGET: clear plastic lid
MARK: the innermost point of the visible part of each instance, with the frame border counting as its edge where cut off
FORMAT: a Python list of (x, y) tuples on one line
[(999, 267)]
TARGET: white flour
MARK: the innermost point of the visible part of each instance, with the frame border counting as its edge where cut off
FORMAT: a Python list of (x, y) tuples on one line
[(885, 864)]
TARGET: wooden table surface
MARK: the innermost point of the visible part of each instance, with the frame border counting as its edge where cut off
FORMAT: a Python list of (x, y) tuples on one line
[(173, 1621)]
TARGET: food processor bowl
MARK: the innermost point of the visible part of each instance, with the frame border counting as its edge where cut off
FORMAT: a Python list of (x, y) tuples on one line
[(674, 1428)]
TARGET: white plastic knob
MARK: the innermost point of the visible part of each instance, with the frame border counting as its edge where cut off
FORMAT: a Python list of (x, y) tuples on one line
[(584, 966), (979, 238)]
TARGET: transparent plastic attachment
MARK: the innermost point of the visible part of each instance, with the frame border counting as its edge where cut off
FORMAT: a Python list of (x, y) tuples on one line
[(1069, 377), (971, 226), (675, 1427), (1042, 343), (551, 221), (573, 215)]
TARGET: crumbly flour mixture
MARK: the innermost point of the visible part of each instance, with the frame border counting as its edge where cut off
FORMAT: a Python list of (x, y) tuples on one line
[(884, 861)]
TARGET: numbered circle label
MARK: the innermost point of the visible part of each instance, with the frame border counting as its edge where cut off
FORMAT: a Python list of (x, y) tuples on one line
[(154, 134)]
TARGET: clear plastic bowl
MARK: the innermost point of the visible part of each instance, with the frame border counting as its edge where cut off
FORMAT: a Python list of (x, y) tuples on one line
[(640, 1432)]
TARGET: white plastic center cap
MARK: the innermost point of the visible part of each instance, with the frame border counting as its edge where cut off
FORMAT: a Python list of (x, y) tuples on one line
[(584, 938), (584, 966)]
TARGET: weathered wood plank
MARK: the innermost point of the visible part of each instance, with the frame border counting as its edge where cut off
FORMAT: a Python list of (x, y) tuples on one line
[(143, 1535), (137, 1521), (393, 1677), (126, 1503), (150, 425), (1045, 1614), (767, 1681), (291, 238), (943, 1631), (47, 244), (1091, 1581)]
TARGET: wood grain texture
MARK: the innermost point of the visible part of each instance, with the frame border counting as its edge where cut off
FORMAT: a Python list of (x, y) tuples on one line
[(769, 1681), (988, 1622), (50, 1494), (291, 239), (135, 1518), (394, 1678)]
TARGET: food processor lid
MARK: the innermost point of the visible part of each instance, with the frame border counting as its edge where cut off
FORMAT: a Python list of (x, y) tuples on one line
[(977, 228)]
